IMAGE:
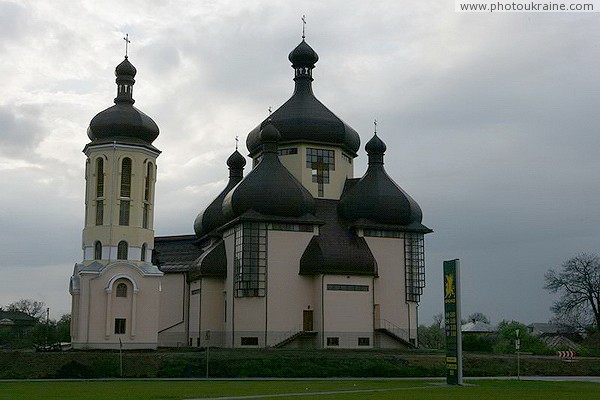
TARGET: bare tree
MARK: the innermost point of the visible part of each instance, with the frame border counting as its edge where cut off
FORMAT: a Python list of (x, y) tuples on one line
[(33, 308), (478, 317), (578, 283)]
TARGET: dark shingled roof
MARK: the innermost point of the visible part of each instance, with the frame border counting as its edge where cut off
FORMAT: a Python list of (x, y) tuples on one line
[(212, 262), (303, 118), (336, 249), (123, 122), (376, 199), (175, 253), (269, 189), (212, 216)]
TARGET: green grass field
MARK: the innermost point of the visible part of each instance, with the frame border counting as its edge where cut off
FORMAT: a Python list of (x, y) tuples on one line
[(299, 389)]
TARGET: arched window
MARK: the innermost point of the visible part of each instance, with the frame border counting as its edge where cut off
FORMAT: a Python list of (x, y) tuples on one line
[(144, 248), (121, 290), (122, 250), (148, 183), (99, 191), (126, 177), (98, 250), (99, 177)]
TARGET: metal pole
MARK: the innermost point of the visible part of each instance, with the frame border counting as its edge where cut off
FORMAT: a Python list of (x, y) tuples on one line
[(518, 348)]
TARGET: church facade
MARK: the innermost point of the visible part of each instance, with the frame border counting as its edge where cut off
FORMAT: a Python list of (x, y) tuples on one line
[(296, 253)]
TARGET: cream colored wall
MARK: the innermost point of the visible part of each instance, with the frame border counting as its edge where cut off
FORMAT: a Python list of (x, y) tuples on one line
[(229, 241), (212, 314), (390, 289), (195, 304), (348, 314), (296, 164), (172, 302), (98, 309), (110, 234), (288, 293)]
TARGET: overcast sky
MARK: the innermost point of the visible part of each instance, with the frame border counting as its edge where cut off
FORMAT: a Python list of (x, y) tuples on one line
[(491, 123)]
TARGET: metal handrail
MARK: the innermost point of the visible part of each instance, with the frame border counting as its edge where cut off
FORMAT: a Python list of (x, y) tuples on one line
[(396, 330)]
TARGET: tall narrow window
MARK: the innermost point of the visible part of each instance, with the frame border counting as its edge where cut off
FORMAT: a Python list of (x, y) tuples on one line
[(250, 260), (146, 216), (122, 250), (99, 191), (99, 177), (148, 184), (124, 212), (126, 177), (98, 250), (122, 290), (414, 254), (144, 249), (99, 212)]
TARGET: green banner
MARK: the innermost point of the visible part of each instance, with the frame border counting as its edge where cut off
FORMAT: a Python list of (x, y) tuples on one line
[(452, 322)]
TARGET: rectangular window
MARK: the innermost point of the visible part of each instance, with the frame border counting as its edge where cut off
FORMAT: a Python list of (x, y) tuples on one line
[(414, 255), (124, 212), (285, 152), (320, 161), (120, 325), (383, 233), (250, 259), (277, 226), (348, 288), (249, 341), (99, 212), (333, 341), (364, 341)]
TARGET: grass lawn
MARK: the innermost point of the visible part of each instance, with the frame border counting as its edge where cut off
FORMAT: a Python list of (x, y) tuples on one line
[(310, 389)]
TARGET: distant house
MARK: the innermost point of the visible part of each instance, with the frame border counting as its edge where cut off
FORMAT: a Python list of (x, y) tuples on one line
[(555, 336), (477, 327), (16, 321)]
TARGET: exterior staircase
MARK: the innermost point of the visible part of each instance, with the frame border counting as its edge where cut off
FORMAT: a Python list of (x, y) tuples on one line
[(395, 332), (293, 337)]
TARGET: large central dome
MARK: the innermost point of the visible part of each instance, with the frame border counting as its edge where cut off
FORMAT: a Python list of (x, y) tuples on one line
[(303, 118)]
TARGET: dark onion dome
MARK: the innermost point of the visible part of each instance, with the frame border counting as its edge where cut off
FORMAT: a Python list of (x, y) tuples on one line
[(212, 217), (376, 197), (269, 189), (303, 118), (303, 56), (123, 122)]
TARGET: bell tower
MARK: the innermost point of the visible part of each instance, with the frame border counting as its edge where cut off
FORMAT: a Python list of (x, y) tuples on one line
[(116, 288)]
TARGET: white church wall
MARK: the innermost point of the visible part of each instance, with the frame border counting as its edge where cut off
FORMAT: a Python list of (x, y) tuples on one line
[(288, 293), (213, 312), (173, 310), (347, 313), (390, 284)]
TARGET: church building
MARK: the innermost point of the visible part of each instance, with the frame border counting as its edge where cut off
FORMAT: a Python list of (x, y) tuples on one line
[(297, 253)]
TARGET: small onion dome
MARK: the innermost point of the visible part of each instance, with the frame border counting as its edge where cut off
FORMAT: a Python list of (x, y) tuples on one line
[(269, 189), (123, 122), (125, 68), (303, 118), (376, 197), (212, 217), (303, 56)]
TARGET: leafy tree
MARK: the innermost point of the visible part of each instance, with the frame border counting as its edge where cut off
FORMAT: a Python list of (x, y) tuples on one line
[(578, 283), (432, 337), (33, 308), (507, 335)]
